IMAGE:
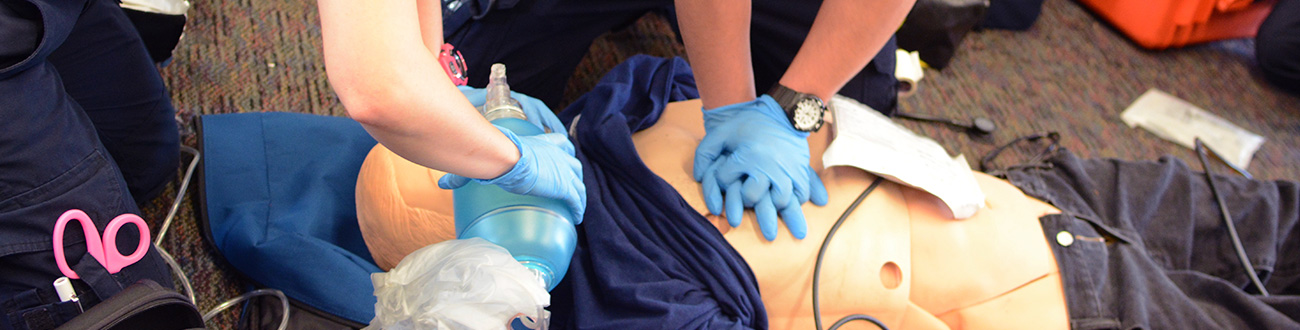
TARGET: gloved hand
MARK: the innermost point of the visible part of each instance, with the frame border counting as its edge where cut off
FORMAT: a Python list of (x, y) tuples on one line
[(546, 168), (536, 111), (751, 150)]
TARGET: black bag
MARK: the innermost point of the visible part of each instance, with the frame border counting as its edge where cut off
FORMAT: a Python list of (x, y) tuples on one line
[(143, 305), (265, 313), (1016, 15), (934, 28)]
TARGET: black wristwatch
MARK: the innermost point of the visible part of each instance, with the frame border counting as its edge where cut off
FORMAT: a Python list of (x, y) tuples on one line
[(805, 111)]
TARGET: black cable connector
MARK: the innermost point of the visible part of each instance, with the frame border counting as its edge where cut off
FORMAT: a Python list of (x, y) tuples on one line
[(980, 126)]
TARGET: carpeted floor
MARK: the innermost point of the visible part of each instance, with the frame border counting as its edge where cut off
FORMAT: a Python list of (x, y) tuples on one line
[(1070, 73), (1074, 74)]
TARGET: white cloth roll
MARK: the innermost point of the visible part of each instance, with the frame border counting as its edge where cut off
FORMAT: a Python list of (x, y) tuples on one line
[(909, 72)]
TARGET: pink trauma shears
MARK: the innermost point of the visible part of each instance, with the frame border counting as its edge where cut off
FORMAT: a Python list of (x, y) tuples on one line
[(103, 250)]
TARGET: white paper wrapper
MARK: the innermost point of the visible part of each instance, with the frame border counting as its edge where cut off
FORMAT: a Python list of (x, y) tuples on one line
[(872, 142), (1176, 120)]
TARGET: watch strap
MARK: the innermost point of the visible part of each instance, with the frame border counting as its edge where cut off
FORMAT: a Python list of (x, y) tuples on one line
[(789, 99), (785, 97)]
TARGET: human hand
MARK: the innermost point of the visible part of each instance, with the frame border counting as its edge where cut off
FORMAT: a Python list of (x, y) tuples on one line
[(537, 111), (546, 168), (751, 150)]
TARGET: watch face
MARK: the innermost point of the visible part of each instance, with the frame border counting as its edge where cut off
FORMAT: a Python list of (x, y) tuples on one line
[(807, 115)]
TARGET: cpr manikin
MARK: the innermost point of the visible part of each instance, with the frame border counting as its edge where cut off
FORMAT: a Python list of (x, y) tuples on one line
[(899, 257)]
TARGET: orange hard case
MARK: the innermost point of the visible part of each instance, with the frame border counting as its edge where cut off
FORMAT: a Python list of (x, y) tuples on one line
[(1160, 24)]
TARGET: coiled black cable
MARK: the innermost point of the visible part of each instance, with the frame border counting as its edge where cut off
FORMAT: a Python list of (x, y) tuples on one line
[(817, 268)]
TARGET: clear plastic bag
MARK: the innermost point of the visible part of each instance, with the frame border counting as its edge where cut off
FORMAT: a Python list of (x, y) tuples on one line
[(458, 284)]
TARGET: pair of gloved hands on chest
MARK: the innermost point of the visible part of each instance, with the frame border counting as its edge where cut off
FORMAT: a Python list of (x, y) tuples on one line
[(753, 156)]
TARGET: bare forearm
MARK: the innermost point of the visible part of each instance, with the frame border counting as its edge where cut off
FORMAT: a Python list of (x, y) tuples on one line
[(430, 12), (390, 81), (716, 34), (845, 36)]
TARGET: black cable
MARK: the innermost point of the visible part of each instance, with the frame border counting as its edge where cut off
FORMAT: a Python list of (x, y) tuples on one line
[(1227, 221), (979, 125), (986, 163), (858, 317), (817, 268), (1225, 161)]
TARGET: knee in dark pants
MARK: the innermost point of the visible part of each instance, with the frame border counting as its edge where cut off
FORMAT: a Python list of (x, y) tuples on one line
[(106, 69), (1279, 62), (144, 141), (20, 28), (1277, 46)]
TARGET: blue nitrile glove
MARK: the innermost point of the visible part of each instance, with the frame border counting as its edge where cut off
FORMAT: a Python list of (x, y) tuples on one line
[(546, 168), (751, 150), (537, 111)]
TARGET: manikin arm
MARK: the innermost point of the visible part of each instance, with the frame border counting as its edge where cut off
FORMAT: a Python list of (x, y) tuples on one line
[(381, 58)]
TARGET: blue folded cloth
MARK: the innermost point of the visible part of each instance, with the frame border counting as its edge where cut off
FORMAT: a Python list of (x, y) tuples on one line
[(645, 258), (279, 203)]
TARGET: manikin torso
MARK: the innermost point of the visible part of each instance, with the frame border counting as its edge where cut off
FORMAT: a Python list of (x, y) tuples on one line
[(900, 257)]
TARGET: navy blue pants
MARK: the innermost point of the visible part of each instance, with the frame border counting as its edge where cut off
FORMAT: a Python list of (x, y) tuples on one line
[(1141, 245), (542, 42), (85, 123), (1277, 45)]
